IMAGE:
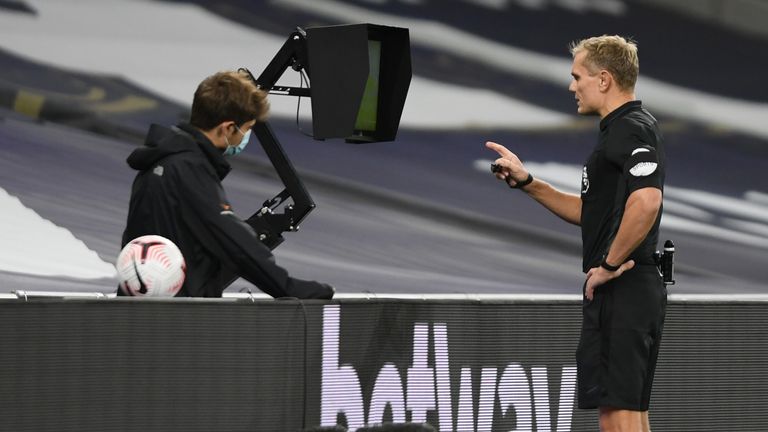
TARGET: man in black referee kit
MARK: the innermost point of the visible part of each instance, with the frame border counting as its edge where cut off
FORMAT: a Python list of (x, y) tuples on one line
[(619, 211)]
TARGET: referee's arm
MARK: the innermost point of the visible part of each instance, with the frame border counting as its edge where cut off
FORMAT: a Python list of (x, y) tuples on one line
[(566, 206), (639, 216)]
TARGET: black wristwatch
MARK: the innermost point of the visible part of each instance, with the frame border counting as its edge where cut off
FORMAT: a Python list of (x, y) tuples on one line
[(604, 264), (521, 184)]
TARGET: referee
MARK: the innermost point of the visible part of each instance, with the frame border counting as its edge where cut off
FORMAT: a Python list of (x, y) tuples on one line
[(619, 211)]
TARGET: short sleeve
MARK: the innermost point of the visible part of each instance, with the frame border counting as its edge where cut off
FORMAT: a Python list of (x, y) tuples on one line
[(633, 150)]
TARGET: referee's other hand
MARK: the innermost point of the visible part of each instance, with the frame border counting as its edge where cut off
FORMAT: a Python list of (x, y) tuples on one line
[(597, 276)]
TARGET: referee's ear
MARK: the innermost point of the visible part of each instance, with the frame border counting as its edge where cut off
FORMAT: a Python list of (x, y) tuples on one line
[(606, 81)]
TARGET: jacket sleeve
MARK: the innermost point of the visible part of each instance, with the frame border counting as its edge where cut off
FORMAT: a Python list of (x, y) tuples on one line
[(206, 210)]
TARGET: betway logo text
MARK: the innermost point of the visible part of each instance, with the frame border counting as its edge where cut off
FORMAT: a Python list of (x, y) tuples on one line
[(428, 388)]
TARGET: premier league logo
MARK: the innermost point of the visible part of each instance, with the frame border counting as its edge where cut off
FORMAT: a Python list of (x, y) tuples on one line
[(584, 181)]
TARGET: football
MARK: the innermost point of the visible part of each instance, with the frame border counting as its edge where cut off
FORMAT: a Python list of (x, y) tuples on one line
[(151, 266)]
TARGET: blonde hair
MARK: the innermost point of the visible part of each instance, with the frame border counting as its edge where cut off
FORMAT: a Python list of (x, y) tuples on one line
[(228, 95), (612, 53)]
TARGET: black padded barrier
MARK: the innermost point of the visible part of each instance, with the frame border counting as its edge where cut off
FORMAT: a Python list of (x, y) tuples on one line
[(461, 364)]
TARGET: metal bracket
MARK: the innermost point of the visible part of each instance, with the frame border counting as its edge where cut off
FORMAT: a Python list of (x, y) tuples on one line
[(269, 224)]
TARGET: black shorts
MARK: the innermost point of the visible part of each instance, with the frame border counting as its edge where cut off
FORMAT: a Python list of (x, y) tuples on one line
[(620, 337)]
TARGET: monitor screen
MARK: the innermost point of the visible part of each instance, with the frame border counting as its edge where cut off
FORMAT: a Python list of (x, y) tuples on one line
[(366, 116)]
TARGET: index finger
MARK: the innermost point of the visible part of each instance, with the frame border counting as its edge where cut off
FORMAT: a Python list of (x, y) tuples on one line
[(498, 148)]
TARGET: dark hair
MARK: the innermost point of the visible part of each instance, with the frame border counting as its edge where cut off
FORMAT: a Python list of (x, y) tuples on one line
[(226, 96)]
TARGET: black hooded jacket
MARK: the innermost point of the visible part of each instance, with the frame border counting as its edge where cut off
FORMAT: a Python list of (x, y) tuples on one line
[(178, 194)]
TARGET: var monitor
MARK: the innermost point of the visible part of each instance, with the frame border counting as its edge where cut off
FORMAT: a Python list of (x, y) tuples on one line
[(359, 77)]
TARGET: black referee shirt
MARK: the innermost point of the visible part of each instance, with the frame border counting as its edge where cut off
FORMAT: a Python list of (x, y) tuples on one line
[(629, 156)]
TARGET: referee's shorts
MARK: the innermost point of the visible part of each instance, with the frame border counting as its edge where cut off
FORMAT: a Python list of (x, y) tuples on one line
[(620, 337)]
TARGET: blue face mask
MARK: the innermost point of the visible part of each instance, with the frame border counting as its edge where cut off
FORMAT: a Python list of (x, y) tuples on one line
[(235, 150)]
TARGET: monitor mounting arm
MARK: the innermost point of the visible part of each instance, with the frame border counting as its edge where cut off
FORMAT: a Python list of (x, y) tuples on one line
[(268, 224)]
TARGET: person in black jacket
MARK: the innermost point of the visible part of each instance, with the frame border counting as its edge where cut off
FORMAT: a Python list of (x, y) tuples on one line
[(178, 194)]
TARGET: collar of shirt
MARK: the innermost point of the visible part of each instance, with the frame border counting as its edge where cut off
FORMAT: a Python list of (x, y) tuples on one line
[(620, 111)]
